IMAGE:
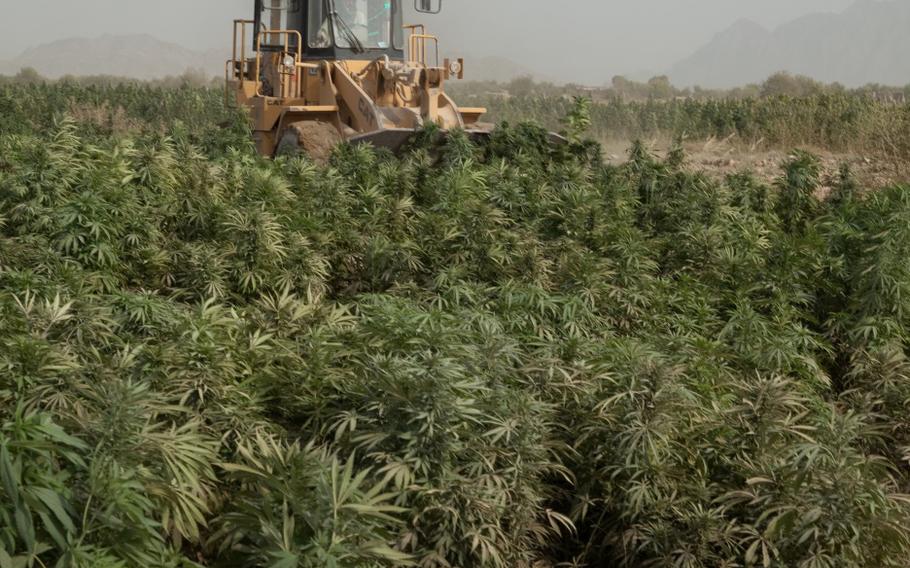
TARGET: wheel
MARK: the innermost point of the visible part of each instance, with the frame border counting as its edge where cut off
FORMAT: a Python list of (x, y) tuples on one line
[(314, 138)]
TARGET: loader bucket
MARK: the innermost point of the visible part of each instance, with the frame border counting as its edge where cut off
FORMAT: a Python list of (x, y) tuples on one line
[(395, 138), (392, 139)]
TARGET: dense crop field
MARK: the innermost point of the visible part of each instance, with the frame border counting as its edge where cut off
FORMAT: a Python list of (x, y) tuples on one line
[(833, 121), (506, 355)]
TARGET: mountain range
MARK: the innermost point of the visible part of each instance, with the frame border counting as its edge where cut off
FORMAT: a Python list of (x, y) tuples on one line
[(135, 56), (145, 57), (867, 43)]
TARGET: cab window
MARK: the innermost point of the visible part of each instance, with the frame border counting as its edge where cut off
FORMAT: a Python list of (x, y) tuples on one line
[(280, 15), (353, 24), (319, 24), (363, 23)]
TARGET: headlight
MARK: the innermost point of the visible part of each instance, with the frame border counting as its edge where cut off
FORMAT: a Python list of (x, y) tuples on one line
[(455, 67), (290, 62)]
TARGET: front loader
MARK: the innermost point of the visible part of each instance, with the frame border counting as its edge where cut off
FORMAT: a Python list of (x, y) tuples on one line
[(322, 71)]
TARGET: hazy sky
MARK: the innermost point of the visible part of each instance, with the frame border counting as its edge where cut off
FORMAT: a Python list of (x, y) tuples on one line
[(582, 40)]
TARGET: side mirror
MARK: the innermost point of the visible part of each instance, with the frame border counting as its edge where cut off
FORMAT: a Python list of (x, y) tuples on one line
[(428, 6)]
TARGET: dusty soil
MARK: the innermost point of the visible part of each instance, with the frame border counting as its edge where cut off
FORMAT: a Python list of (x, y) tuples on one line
[(722, 157), (313, 138)]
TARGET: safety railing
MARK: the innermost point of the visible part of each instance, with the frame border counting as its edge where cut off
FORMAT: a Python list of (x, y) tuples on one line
[(417, 44), (241, 70), (289, 86), (237, 67)]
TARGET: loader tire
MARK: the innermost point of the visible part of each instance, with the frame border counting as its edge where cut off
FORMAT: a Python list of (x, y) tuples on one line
[(313, 138)]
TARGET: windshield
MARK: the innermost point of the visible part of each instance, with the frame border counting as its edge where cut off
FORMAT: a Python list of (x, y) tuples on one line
[(355, 24)]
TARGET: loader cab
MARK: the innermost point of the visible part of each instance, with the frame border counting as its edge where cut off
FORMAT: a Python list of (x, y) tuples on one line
[(333, 29)]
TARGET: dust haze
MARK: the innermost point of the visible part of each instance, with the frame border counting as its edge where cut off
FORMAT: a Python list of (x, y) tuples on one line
[(585, 41)]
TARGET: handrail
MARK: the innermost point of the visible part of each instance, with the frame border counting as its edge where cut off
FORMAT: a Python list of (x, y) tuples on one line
[(418, 43), (242, 24), (237, 68), (280, 33), (413, 29)]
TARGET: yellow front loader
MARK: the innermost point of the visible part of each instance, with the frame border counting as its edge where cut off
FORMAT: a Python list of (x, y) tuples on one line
[(315, 72)]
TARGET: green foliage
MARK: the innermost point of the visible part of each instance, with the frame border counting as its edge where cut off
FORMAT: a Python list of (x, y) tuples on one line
[(578, 121), (300, 507), (499, 354), (832, 119)]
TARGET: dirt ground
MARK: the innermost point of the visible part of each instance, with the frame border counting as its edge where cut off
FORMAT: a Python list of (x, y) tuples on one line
[(722, 157), (316, 139)]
